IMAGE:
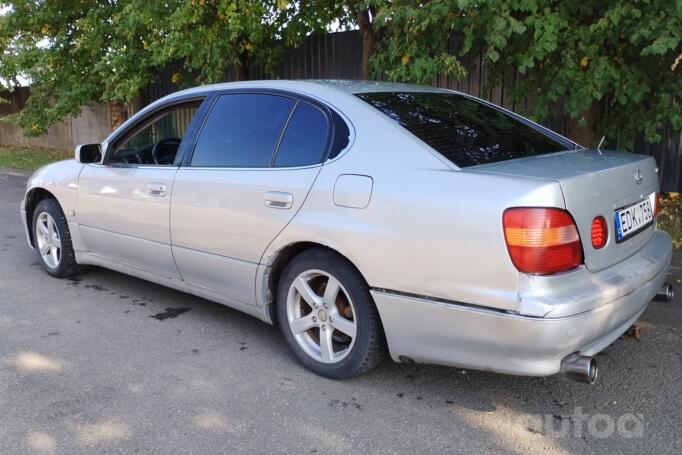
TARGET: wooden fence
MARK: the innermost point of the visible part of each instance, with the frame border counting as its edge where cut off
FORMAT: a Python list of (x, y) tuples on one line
[(338, 56)]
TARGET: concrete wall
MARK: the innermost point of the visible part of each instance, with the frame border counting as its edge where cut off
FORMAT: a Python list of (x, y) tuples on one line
[(92, 125), (57, 137)]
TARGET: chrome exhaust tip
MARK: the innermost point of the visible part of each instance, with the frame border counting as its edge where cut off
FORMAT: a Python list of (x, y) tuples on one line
[(580, 368), (665, 294)]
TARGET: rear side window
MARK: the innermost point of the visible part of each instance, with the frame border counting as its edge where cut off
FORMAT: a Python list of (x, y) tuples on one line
[(242, 131), (305, 138), (461, 129), (341, 136)]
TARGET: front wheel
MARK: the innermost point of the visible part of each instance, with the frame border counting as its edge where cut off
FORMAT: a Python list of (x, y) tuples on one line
[(328, 317), (52, 239)]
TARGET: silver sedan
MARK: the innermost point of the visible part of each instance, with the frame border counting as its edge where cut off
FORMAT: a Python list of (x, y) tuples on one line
[(368, 219)]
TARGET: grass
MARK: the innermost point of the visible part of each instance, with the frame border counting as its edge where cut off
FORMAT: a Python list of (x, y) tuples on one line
[(30, 158)]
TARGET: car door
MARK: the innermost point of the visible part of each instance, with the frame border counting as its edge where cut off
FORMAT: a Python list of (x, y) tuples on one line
[(253, 164), (124, 203)]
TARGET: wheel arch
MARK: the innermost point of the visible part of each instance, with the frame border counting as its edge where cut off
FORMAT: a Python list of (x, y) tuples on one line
[(284, 255), (33, 197), (375, 339)]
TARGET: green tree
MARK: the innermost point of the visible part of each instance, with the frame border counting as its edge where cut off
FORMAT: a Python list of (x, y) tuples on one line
[(80, 52), (609, 63)]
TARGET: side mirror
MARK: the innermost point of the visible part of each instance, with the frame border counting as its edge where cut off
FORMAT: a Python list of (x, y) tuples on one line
[(89, 153)]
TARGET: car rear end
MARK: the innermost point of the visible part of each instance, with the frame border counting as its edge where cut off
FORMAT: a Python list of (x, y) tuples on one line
[(612, 200), (587, 266)]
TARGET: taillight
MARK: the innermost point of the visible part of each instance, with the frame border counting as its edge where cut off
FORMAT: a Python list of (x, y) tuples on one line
[(599, 232), (542, 240)]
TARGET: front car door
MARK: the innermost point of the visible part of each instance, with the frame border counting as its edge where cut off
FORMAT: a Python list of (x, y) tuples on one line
[(254, 162), (124, 203)]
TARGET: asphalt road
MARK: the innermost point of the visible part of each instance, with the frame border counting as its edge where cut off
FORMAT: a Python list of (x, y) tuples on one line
[(107, 363)]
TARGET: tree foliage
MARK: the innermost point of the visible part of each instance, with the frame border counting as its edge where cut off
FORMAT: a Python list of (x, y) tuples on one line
[(611, 64), (616, 56), (78, 52)]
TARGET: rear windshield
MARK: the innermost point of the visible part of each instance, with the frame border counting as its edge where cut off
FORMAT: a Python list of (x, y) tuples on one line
[(463, 130)]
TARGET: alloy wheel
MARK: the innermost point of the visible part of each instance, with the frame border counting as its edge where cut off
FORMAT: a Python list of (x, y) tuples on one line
[(321, 316), (48, 240)]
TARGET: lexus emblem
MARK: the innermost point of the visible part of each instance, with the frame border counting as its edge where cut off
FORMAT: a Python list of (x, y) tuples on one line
[(638, 176)]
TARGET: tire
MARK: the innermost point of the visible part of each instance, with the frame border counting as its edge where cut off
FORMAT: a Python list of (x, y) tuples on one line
[(335, 317), (63, 263)]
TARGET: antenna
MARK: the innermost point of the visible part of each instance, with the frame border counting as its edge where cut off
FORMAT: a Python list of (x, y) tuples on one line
[(600, 144)]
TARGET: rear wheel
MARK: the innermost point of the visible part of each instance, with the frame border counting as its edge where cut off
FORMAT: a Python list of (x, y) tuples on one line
[(328, 317), (52, 239)]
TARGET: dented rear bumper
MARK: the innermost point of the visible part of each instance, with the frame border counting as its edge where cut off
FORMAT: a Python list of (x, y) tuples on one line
[(604, 304)]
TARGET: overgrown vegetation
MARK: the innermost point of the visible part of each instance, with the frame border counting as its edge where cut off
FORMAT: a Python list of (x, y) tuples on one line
[(29, 158), (611, 64), (75, 53), (670, 217)]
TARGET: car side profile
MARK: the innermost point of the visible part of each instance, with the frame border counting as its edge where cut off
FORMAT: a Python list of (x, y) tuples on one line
[(368, 218)]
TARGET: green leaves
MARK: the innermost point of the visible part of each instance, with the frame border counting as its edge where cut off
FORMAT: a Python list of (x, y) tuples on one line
[(80, 52), (618, 54), (493, 55)]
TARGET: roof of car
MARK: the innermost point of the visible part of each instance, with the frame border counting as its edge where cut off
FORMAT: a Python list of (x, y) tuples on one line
[(310, 85), (322, 88), (351, 86)]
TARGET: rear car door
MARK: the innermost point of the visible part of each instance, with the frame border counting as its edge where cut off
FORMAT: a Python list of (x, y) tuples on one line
[(124, 203), (253, 164)]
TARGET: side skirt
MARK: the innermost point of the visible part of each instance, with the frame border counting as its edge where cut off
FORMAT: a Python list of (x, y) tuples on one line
[(260, 312)]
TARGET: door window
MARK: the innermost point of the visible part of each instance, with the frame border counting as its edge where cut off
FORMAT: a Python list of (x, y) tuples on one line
[(242, 130), (305, 138), (156, 142)]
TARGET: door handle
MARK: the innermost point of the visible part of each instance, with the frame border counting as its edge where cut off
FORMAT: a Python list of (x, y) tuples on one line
[(156, 189), (279, 200)]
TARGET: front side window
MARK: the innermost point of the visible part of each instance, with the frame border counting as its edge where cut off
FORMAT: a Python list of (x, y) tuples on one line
[(463, 130), (242, 130), (156, 142)]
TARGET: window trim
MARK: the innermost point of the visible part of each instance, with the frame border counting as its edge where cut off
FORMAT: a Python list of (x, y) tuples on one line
[(282, 132), (570, 144), (297, 97), (148, 118)]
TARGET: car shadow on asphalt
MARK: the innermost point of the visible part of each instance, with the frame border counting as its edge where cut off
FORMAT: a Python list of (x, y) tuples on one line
[(511, 409)]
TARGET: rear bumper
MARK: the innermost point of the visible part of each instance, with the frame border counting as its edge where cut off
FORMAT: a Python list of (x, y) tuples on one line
[(472, 337)]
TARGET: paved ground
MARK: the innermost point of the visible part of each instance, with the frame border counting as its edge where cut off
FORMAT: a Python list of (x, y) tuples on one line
[(90, 365)]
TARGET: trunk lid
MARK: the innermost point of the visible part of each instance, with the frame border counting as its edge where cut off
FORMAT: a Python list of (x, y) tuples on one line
[(593, 184)]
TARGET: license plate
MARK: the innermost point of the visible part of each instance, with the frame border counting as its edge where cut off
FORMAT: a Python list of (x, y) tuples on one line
[(634, 218)]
